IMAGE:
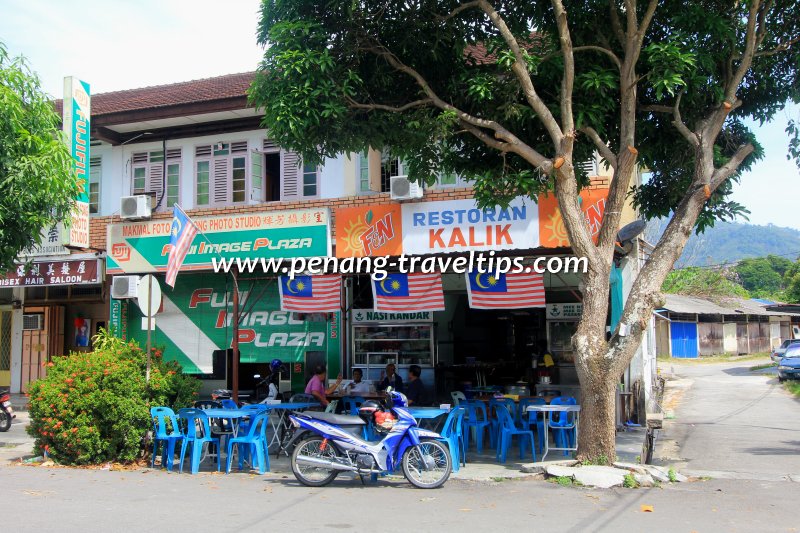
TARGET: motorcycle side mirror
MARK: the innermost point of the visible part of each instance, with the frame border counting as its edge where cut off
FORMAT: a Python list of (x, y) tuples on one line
[(389, 390)]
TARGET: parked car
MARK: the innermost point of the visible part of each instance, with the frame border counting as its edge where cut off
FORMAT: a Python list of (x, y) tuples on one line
[(789, 365), (778, 352)]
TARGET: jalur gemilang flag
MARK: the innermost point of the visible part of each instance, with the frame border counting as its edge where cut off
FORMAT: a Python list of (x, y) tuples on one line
[(488, 290), (408, 292), (181, 235), (311, 294)]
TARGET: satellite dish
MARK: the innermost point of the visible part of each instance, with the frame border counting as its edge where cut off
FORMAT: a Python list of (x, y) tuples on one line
[(629, 231)]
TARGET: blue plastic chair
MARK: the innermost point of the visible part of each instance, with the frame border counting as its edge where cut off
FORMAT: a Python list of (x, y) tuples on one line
[(458, 397), (254, 409), (352, 403), (495, 404), (563, 423), (229, 404), (197, 438), (255, 442), (528, 419), (476, 420), (454, 434), (162, 417), (507, 431)]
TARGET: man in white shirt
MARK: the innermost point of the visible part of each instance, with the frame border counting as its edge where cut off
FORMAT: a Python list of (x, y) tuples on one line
[(357, 386)]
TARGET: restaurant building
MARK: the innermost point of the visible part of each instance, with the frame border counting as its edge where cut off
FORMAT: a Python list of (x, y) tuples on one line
[(198, 144)]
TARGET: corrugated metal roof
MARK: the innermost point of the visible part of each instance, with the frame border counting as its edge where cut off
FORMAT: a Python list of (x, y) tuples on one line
[(679, 303)]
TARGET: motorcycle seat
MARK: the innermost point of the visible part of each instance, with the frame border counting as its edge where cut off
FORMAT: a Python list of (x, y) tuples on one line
[(331, 418)]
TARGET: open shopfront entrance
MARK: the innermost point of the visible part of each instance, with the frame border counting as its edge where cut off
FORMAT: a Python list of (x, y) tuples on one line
[(462, 348)]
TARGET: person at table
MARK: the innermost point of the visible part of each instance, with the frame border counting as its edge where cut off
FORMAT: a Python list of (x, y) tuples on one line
[(390, 379), (415, 390), (316, 385), (357, 386)]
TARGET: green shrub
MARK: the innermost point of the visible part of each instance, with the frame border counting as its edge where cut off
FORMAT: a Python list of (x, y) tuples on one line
[(94, 406), (630, 482)]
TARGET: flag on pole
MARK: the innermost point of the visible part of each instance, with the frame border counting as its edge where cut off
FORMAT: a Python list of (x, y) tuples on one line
[(409, 292), (505, 291), (181, 235), (311, 294)]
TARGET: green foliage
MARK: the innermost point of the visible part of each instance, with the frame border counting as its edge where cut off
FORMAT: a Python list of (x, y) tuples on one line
[(564, 481), (37, 183), (94, 407), (703, 283), (600, 460), (630, 482), (764, 277), (671, 475)]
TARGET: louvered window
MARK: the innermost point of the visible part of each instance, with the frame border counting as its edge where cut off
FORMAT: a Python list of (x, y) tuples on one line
[(148, 176), (589, 167), (286, 176), (95, 173), (221, 176)]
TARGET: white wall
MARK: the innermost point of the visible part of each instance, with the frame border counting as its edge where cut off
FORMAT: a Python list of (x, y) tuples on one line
[(337, 176)]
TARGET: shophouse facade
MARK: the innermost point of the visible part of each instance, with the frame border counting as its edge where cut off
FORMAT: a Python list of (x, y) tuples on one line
[(199, 145)]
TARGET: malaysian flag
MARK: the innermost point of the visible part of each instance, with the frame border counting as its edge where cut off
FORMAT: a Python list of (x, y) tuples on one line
[(181, 235), (505, 291), (311, 294), (409, 292)]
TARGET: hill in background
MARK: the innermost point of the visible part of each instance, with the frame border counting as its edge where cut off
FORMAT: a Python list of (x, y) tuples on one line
[(728, 242)]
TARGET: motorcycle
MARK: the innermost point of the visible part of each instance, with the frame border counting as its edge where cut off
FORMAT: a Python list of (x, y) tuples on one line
[(327, 449), (6, 411)]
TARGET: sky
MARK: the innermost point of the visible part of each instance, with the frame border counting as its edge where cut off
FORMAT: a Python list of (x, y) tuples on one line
[(125, 44)]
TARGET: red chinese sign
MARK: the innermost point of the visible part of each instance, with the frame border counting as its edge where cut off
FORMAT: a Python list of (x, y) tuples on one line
[(40, 274)]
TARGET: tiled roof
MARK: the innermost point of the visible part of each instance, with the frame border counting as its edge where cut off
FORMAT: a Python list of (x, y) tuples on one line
[(187, 92)]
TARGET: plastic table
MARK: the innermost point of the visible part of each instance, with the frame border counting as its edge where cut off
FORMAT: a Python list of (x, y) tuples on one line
[(279, 422), (552, 409)]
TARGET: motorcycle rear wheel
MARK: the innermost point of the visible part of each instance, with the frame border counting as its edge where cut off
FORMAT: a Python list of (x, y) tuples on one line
[(5, 420), (428, 465), (313, 476)]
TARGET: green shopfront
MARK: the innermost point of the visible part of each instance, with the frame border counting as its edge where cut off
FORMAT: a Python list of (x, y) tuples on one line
[(194, 322)]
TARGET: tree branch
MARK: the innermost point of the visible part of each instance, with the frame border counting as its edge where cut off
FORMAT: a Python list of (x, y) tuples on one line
[(517, 146), (677, 121), (568, 80), (602, 147), (520, 69), (616, 24), (392, 109), (489, 141), (782, 47), (457, 10), (729, 168), (602, 50)]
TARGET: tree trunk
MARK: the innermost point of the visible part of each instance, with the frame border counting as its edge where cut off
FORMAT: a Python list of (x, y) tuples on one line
[(597, 426)]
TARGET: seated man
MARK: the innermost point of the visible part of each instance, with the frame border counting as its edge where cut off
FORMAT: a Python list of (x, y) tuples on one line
[(316, 385), (391, 379), (357, 386), (415, 389)]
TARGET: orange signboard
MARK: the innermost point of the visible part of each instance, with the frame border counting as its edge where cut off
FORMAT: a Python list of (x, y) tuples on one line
[(552, 233), (369, 230)]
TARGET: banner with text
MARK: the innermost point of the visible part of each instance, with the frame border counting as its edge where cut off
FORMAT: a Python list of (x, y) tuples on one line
[(76, 124), (369, 231), (46, 273), (141, 247), (553, 233)]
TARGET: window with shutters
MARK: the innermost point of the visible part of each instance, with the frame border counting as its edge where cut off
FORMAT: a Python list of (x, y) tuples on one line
[(376, 170), (451, 179), (363, 172), (286, 178), (95, 174), (148, 176), (221, 176)]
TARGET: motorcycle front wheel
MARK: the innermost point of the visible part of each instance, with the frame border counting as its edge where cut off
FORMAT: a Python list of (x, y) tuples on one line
[(5, 420), (428, 465), (310, 475)]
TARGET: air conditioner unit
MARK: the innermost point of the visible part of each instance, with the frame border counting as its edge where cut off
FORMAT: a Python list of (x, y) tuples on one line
[(400, 188), (134, 207), (33, 322), (124, 287)]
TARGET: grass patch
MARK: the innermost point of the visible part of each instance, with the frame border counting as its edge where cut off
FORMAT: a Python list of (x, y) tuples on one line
[(630, 482), (762, 367), (601, 460), (712, 359), (671, 475), (793, 387)]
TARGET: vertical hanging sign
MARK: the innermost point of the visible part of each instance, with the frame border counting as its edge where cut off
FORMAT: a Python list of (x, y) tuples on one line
[(77, 113)]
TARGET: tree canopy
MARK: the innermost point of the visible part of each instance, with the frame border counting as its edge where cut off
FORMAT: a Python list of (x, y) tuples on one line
[(37, 183)]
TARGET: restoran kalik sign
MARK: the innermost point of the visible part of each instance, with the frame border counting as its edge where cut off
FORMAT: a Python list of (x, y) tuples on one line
[(460, 225)]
